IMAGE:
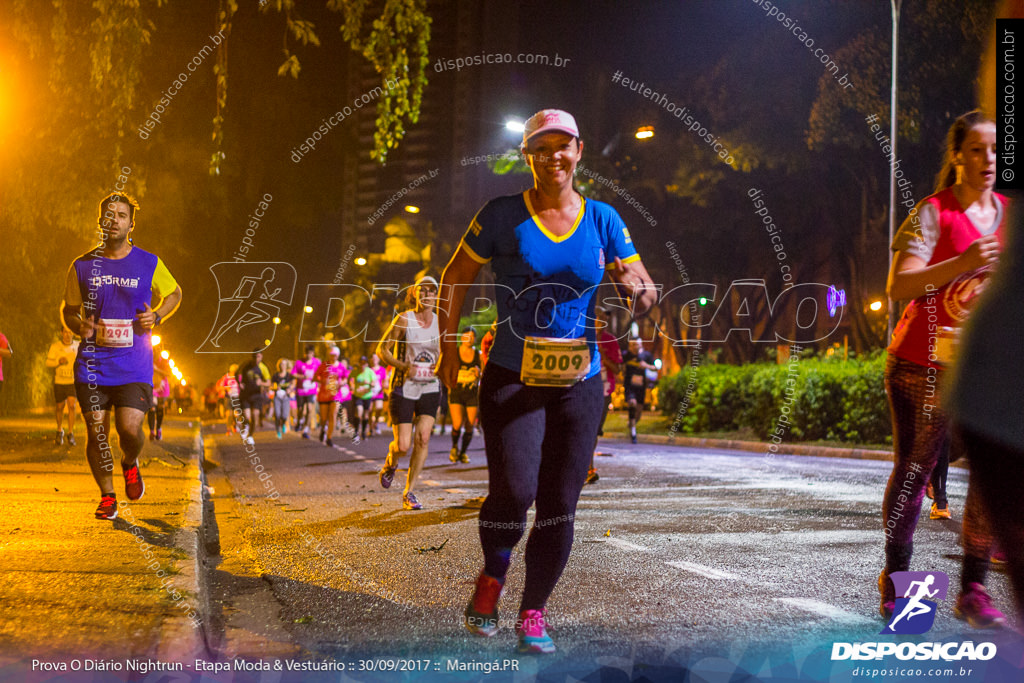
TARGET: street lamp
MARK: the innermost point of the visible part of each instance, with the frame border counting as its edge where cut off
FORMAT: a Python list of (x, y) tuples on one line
[(515, 126), (155, 340), (308, 309), (360, 261), (894, 89), (876, 306), (644, 132), (277, 321)]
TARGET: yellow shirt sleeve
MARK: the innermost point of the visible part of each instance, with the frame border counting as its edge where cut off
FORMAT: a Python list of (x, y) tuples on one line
[(163, 282), (72, 290)]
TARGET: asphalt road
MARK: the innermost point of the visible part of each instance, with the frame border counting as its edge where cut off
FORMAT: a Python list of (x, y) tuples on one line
[(682, 557)]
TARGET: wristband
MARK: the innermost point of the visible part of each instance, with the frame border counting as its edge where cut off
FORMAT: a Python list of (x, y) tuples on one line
[(156, 319)]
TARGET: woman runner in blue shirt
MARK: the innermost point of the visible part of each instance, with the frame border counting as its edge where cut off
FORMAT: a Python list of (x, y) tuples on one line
[(541, 393)]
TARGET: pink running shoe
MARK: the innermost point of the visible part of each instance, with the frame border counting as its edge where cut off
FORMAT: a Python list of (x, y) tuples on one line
[(975, 605), (533, 634)]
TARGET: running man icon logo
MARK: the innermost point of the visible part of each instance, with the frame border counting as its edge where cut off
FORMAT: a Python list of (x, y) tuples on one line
[(915, 613), (250, 295)]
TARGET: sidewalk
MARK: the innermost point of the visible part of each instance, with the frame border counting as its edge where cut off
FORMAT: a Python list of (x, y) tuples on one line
[(75, 587)]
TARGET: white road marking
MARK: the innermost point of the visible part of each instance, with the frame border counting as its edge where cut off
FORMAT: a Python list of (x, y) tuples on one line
[(634, 490), (626, 545), (431, 482), (707, 572), (826, 610), (823, 537)]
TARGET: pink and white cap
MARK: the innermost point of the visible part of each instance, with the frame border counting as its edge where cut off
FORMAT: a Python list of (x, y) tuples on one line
[(549, 121)]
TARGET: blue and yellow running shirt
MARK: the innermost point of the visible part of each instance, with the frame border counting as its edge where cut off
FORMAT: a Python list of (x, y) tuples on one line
[(545, 284), (114, 291)]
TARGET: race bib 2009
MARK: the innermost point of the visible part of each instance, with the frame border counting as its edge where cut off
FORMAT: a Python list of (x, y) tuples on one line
[(550, 362)]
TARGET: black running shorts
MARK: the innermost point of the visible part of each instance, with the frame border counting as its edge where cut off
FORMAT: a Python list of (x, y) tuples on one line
[(403, 410), (136, 395)]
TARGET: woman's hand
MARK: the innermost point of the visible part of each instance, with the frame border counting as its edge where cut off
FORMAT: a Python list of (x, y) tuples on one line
[(982, 252), (634, 279)]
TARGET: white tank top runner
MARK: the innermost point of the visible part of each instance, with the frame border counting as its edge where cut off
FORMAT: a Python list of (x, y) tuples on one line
[(422, 348)]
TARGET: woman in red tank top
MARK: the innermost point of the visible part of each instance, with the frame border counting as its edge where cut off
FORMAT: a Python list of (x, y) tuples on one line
[(944, 253)]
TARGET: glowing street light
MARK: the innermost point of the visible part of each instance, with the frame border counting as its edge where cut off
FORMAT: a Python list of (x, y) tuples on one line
[(410, 208), (277, 321), (515, 126), (360, 261), (876, 306), (155, 340), (644, 132), (308, 309), (165, 354)]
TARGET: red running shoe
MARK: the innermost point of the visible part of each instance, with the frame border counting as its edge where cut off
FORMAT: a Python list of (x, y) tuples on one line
[(107, 508), (888, 592), (134, 487), (482, 610)]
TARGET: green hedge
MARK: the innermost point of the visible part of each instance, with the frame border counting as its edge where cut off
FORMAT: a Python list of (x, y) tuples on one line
[(826, 399)]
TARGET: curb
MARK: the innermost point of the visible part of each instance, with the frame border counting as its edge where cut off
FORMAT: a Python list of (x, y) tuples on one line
[(181, 639), (760, 447)]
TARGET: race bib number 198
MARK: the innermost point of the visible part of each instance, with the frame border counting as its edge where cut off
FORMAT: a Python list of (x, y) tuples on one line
[(549, 362), (115, 333)]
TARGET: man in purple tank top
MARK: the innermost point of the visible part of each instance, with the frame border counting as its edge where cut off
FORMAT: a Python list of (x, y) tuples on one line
[(114, 296)]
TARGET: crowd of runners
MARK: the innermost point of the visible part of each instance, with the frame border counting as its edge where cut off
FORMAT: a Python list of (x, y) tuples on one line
[(330, 395), (538, 383)]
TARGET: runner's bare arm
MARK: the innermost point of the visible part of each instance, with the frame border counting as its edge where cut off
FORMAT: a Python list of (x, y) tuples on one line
[(394, 334), (910, 275), (460, 271), (168, 305), (72, 308)]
